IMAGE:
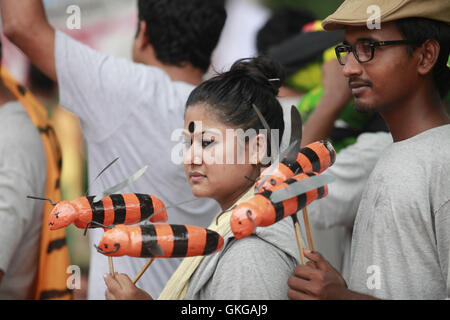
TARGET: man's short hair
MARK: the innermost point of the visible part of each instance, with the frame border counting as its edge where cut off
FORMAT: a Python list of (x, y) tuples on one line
[(183, 30), (419, 30)]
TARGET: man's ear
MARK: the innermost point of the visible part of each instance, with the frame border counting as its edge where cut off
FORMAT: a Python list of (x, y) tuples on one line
[(428, 55), (142, 40)]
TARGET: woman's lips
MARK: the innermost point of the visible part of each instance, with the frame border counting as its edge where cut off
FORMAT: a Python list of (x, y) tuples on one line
[(196, 176)]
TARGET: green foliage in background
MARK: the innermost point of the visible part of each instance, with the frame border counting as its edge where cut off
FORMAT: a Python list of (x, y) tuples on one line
[(322, 8)]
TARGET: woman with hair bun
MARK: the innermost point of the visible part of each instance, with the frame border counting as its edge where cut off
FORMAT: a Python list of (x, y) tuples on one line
[(256, 267)]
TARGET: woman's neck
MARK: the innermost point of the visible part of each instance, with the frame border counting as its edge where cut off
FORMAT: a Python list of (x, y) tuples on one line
[(226, 204)]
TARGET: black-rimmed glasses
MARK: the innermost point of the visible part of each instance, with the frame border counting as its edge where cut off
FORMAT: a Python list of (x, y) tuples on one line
[(363, 50)]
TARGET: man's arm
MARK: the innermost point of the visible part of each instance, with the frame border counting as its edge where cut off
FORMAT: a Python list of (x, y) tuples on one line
[(120, 287), (352, 169), (26, 25), (318, 280), (336, 95)]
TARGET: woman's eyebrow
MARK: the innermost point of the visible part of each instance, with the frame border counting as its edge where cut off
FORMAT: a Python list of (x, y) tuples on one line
[(210, 131), (186, 134)]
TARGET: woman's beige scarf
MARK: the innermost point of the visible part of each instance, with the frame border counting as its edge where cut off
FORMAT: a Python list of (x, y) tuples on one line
[(178, 284)]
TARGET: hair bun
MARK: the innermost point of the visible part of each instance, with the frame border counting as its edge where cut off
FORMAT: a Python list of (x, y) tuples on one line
[(263, 70)]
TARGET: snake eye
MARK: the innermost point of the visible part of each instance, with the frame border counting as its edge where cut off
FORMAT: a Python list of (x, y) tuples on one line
[(57, 214)]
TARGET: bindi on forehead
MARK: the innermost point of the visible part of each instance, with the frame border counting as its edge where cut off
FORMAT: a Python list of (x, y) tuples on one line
[(191, 127)]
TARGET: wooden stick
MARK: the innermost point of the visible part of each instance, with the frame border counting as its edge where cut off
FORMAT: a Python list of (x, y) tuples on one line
[(299, 238), (111, 266), (308, 229), (139, 275)]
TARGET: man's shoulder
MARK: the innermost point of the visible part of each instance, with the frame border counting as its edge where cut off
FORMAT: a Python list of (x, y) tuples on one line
[(15, 122), (431, 144), (19, 134)]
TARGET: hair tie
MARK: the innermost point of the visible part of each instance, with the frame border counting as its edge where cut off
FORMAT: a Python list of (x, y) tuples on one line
[(275, 79)]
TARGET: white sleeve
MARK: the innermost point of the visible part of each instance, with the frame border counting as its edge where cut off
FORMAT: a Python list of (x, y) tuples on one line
[(442, 223), (352, 169), (22, 173), (100, 89), (15, 212)]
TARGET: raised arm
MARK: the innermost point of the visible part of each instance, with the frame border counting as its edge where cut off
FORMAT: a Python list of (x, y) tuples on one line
[(335, 97), (26, 25)]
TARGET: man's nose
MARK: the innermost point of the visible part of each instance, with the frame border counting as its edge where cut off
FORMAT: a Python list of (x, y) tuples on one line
[(352, 67)]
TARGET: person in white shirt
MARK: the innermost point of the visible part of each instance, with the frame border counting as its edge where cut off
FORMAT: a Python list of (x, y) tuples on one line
[(130, 110)]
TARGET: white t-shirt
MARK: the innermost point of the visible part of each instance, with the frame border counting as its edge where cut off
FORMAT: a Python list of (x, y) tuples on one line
[(130, 111), (22, 173), (352, 169), (401, 237)]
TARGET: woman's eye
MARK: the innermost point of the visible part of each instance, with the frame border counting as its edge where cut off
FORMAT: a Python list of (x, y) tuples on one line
[(208, 143)]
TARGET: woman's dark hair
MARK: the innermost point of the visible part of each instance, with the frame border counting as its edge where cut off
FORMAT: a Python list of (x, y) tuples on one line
[(183, 30), (231, 95), (419, 30)]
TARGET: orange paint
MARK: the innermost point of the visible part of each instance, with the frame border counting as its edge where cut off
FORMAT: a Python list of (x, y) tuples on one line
[(165, 239), (160, 212), (109, 211), (80, 211), (321, 149), (259, 211), (187, 241)]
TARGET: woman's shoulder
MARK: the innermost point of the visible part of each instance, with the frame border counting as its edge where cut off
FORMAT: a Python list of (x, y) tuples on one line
[(255, 267), (277, 240)]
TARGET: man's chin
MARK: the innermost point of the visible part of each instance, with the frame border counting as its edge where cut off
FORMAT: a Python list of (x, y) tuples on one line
[(363, 106)]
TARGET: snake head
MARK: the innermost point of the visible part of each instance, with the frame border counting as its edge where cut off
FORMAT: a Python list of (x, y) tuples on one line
[(243, 221), (114, 241), (62, 215)]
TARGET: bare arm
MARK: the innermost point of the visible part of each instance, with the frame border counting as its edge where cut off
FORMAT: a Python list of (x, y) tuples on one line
[(318, 280), (26, 25), (120, 287), (336, 96)]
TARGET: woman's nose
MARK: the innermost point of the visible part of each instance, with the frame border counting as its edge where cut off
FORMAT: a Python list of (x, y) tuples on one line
[(193, 154)]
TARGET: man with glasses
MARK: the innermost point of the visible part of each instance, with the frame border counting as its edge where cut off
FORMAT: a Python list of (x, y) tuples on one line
[(401, 238)]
